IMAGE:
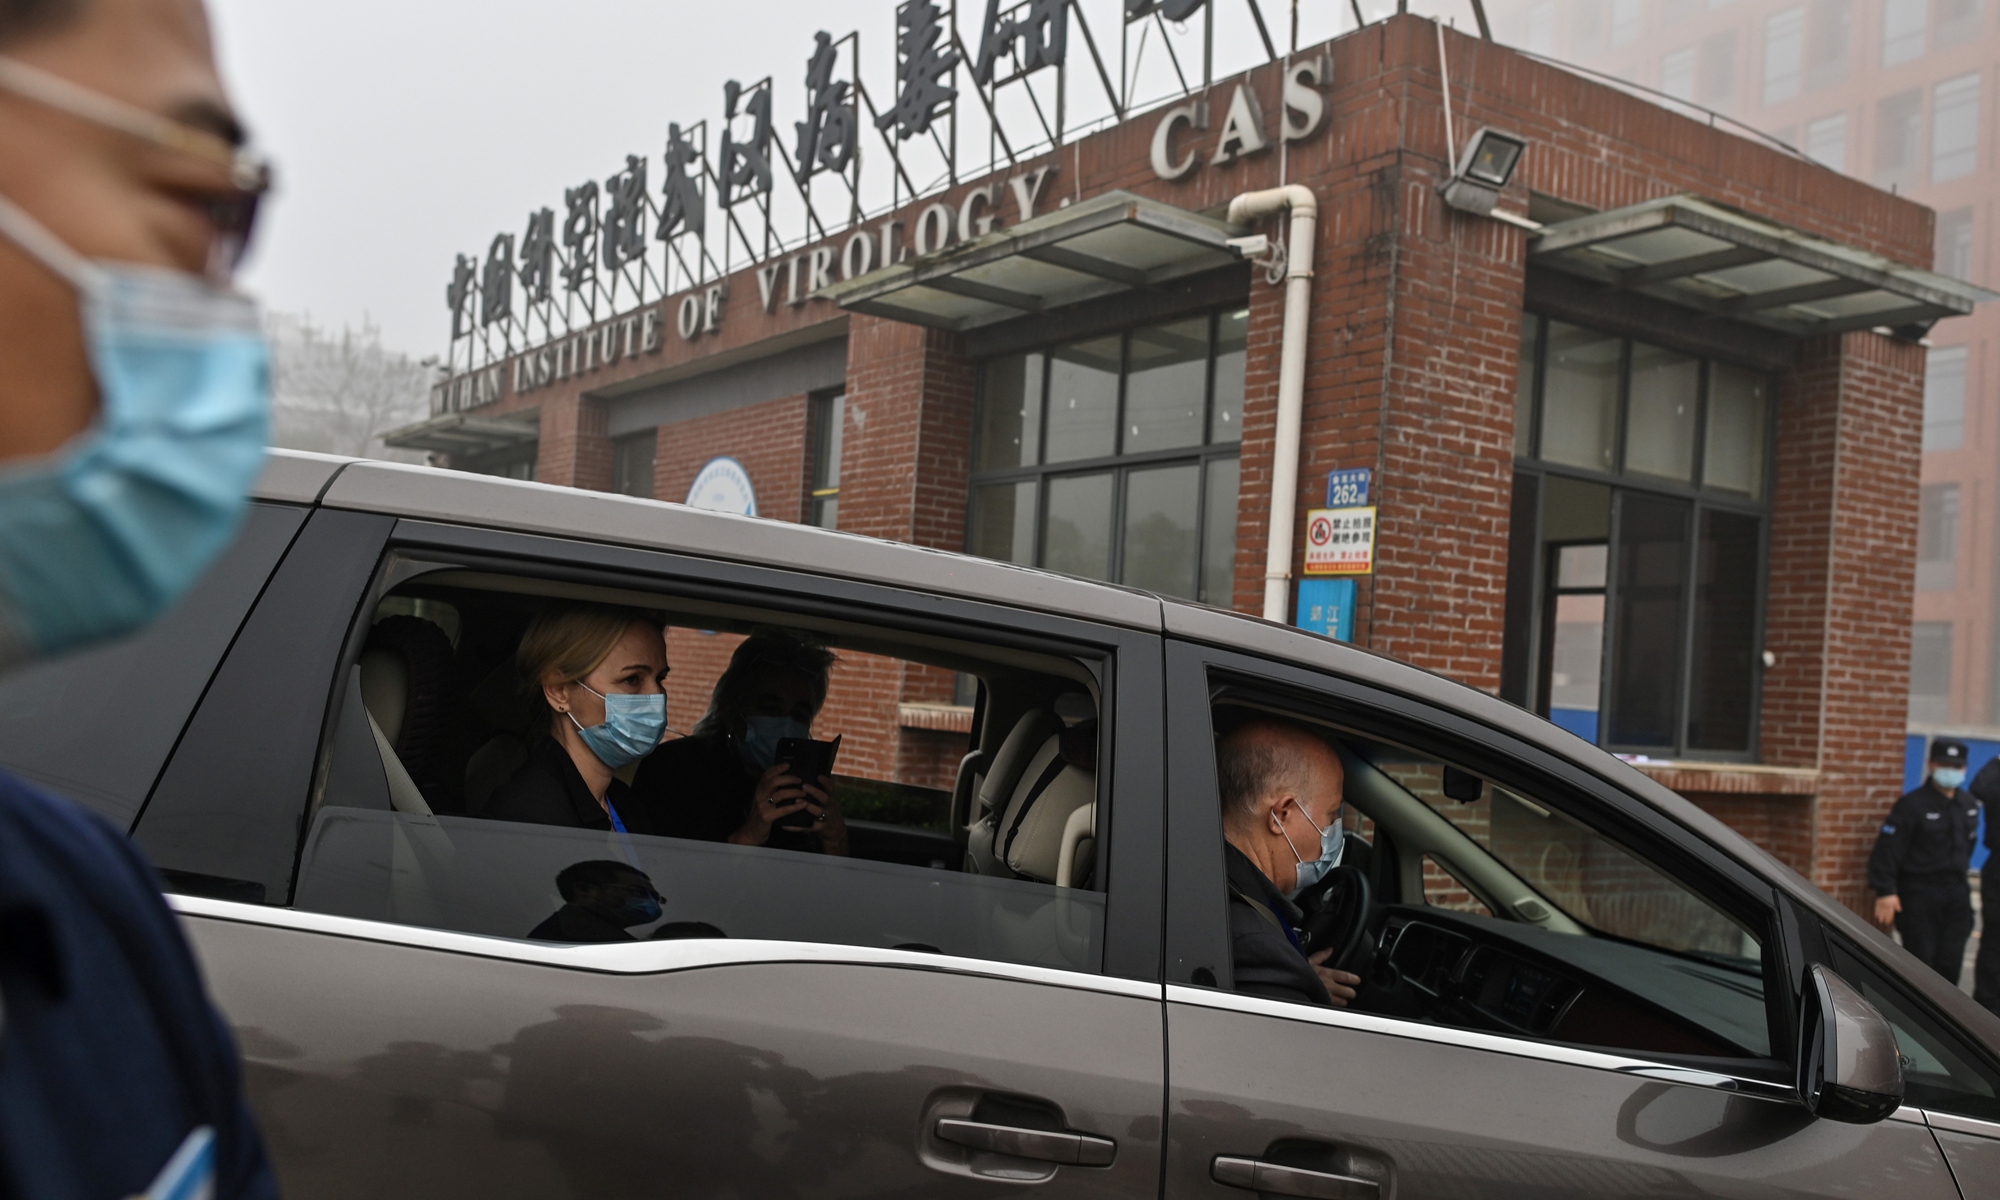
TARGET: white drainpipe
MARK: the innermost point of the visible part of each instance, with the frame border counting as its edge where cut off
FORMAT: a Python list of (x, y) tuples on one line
[(1291, 379)]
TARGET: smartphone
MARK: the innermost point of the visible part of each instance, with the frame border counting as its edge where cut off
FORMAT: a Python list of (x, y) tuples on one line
[(808, 760)]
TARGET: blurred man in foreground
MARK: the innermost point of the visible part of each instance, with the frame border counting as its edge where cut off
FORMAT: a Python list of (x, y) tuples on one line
[(132, 421)]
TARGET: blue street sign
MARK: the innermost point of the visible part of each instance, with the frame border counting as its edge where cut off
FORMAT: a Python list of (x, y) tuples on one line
[(1326, 606), (1347, 489)]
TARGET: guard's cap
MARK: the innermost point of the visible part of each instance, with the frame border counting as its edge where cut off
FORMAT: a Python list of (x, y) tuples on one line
[(1948, 752)]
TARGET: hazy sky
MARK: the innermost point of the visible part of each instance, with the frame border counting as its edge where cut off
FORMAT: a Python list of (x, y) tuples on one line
[(406, 131)]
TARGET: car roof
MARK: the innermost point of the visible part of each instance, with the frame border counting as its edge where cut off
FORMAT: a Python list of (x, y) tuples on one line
[(458, 497)]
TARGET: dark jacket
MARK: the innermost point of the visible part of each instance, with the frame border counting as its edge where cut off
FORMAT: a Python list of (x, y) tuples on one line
[(111, 1054), (548, 790), (574, 923), (1985, 788), (1264, 952), (1928, 835), (699, 787)]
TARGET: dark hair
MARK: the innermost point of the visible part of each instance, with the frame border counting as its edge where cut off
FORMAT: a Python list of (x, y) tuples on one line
[(19, 18), (594, 873), (1258, 757), (766, 649)]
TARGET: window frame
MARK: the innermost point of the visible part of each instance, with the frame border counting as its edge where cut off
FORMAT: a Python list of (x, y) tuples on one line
[(1119, 465), (1197, 928), (1700, 499), (1131, 777), (829, 444)]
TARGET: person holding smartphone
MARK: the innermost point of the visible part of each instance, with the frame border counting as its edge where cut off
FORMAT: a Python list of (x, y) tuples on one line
[(725, 782)]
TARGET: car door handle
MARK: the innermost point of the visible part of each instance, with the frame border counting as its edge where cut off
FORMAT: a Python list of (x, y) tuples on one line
[(1261, 1176), (1078, 1149)]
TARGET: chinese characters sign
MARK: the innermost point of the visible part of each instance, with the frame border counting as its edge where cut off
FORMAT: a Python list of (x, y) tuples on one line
[(1340, 541)]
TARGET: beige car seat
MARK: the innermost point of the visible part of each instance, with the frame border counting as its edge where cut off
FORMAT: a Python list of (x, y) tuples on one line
[(1038, 804), (385, 694)]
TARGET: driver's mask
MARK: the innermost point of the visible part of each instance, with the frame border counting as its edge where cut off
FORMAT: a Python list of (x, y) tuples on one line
[(1332, 844)]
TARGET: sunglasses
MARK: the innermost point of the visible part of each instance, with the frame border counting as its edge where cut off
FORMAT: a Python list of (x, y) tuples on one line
[(231, 210)]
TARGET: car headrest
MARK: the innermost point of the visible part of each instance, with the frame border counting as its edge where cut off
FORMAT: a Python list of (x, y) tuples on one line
[(1030, 733), (385, 689)]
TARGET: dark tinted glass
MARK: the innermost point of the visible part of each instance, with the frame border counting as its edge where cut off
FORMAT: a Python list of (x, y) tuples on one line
[(1517, 640), (1723, 673), (1003, 522), (1160, 507), (1218, 547), (1232, 332), (1651, 572), (97, 726), (1010, 412), (226, 816), (1166, 391), (1083, 400), (1078, 535)]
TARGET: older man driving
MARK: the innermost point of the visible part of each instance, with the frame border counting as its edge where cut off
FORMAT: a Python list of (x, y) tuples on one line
[(1281, 801)]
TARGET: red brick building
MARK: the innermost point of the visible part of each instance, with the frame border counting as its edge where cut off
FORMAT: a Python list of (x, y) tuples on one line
[(1644, 442)]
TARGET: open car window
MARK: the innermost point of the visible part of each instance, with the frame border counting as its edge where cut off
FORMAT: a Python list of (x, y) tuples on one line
[(966, 776), (1496, 908)]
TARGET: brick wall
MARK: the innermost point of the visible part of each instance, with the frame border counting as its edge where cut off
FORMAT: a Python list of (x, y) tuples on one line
[(769, 439)]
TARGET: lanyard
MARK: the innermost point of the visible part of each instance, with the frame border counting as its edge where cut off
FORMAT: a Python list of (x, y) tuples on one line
[(613, 810)]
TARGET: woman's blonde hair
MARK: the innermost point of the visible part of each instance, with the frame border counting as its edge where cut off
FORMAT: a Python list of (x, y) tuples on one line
[(566, 641)]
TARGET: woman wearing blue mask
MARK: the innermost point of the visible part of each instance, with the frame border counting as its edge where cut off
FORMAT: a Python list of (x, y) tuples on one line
[(600, 673), (724, 782)]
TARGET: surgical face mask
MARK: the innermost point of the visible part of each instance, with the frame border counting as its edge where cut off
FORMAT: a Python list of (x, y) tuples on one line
[(108, 533), (761, 736), (639, 910), (633, 726), (1949, 777), (1332, 844)]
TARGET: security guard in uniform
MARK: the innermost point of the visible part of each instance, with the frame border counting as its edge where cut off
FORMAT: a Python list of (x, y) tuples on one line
[(1921, 859)]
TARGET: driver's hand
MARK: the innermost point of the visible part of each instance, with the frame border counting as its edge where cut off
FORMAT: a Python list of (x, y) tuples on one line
[(1341, 985)]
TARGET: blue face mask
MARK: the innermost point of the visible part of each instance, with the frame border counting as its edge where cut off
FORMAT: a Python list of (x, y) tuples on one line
[(1332, 844), (639, 910), (1950, 778), (105, 535), (761, 736), (633, 726)]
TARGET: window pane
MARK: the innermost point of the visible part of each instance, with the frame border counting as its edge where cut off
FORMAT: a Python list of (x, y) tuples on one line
[(1160, 506), (1953, 255), (1010, 412), (1827, 46), (1784, 54), (1659, 427), (1944, 399), (1722, 668), (1930, 671), (1524, 387), (1580, 399), (827, 441), (1517, 643), (1166, 392), (1826, 141), (632, 464), (1218, 538), (1232, 330), (1651, 569), (1733, 452), (1937, 538), (1576, 663), (1955, 128), (1903, 23), (1899, 121), (1083, 400), (1003, 523), (1077, 538)]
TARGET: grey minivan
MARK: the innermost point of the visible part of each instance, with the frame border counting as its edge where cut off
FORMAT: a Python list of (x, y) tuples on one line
[(1576, 982)]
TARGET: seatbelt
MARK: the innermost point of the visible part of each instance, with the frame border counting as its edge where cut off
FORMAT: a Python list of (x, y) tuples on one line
[(1264, 910), (1042, 782)]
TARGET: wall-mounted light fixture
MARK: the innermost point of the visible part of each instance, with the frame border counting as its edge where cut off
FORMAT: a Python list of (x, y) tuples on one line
[(1485, 168)]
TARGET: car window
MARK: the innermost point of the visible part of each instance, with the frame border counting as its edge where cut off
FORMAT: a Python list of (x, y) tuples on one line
[(438, 738), (97, 726), (1498, 909), (1938, 1071)]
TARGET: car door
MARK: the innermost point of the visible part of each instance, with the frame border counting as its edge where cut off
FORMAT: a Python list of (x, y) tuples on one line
[(400, 1038), (1460, 1095)]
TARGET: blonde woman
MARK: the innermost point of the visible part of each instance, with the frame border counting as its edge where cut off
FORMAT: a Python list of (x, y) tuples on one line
[(600, 671)]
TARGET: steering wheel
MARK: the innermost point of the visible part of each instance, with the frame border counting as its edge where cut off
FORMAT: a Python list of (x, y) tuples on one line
[(1337, 910)]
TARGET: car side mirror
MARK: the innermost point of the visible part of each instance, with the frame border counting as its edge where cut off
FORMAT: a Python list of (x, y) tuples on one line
[(1849, 1067)]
